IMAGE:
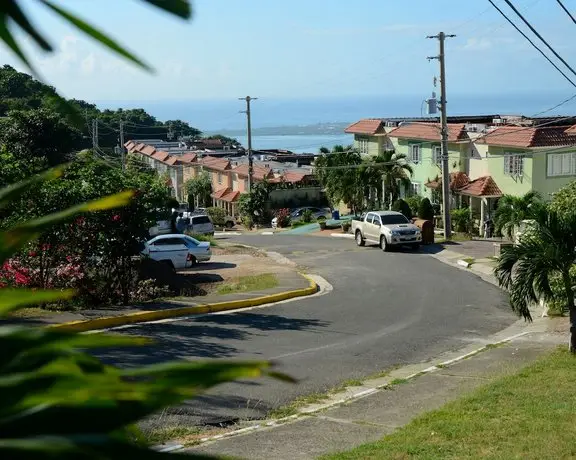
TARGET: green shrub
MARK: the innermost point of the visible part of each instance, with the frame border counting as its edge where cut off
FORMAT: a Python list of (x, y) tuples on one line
[(307, 216), (414, 202), (218, 215), (346, 226), (402, 207), (200, 237), (425, 210), (461, 220)]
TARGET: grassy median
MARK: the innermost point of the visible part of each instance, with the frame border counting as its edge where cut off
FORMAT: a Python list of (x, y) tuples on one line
[(250, 283), (528, 415)]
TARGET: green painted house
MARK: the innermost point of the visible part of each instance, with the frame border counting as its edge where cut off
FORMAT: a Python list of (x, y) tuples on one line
[(370, 136), (420, 142)]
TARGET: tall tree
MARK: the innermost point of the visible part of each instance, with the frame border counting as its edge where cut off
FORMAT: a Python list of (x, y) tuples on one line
[(548, 249), (395, 172), (199, 189), (512, 210), (40, 133)]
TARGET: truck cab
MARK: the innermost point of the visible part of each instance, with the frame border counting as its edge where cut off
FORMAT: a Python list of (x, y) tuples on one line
[(388, 229)]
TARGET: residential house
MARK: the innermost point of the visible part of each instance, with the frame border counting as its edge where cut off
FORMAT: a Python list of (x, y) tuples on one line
[(420, 142), (370, 136)]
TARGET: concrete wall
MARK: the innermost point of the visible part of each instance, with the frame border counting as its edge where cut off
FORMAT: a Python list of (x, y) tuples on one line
[(510, 185), (478, 165), (543, 184), (374, 143), (426, 170)]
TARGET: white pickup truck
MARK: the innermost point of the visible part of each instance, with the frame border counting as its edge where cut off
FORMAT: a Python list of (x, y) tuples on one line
[(388, 229)]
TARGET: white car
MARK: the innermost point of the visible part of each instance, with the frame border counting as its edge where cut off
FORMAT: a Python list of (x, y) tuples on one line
[(177, 251), (388, 229)]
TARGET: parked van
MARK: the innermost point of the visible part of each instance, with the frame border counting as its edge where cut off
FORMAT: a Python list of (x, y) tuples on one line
[(201, 224)]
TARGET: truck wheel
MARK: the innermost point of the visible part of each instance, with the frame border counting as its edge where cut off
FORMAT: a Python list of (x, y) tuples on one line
[(359, 240), (384, 244)]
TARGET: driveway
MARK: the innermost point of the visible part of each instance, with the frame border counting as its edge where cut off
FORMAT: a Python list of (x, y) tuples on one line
[(386, 309)]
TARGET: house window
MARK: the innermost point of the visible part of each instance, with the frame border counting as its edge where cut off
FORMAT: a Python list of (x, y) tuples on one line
[(363, 146), (513, 164), (437, 155), (415, 153), (219, 178), (414, 189), (562, 164)]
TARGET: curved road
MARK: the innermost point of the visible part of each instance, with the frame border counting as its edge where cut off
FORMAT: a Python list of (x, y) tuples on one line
[(387, 309)]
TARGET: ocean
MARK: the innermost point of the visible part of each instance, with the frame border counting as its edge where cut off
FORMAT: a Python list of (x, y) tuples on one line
[(305, 143)]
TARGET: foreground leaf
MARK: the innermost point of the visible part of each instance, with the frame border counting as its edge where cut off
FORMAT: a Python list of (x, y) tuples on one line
[(180, 8), (95, 34)]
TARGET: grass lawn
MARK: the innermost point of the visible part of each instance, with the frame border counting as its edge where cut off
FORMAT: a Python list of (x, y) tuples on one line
[(250, 283), (529, 415)]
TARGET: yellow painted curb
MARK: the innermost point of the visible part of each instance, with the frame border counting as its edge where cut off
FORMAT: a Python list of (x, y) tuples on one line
[(145, 316)]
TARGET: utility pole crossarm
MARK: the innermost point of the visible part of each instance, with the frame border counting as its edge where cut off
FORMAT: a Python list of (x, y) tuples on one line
[(248, 99), (444, 135)]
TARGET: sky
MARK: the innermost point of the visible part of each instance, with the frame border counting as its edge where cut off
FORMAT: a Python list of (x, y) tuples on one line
[(300, 49)]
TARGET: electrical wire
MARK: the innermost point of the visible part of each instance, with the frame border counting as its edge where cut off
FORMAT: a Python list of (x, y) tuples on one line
[(566, 10), (521, 16), (532, 43)]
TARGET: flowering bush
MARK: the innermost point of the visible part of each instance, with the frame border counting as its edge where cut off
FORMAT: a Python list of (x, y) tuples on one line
[(148, 290), (283, 217)]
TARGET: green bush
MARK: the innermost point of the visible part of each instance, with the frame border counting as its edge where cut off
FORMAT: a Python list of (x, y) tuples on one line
[(200, 237), (402, 207), (425, 210), (218, 215), (414, 202), (346, 226), (307, 216), (461, 220)]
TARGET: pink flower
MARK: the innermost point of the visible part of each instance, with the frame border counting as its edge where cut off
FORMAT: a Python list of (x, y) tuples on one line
[(32, 254), (45, 247), (116, 217)]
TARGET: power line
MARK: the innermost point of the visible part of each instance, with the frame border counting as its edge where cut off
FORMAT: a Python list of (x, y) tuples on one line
[(532, 43), (511, 5), (566, 10)]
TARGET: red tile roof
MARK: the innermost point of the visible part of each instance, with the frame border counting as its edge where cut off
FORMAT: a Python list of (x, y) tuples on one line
[(522, 137), (160, 155), (366, 126), (258, 172), (231, 197), (458, 180), (294, 177), (218, 194), (148, 150), (171, 160), (483, 186), (218, 164), (130, 145), (139, 146), (429, 131), (188, 157)]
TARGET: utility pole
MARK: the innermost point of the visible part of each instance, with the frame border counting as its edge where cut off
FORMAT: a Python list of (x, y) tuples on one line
[(249, 132), (444, 133), (122, 144), (95, 134)]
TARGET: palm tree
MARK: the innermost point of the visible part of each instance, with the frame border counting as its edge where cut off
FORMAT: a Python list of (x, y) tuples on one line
[(548, 250), (514, 209), (394, 172)]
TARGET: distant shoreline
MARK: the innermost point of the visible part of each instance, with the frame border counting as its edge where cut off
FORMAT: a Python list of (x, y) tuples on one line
[(306, 130)]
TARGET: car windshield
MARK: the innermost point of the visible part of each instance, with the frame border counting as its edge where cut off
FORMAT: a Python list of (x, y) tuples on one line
[(394, 219)]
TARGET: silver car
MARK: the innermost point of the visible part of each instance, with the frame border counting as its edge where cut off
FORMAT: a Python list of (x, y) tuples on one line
[(177, 251)]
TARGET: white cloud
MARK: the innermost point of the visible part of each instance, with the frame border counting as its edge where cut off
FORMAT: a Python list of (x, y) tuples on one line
[(477, 44), (88, 64)]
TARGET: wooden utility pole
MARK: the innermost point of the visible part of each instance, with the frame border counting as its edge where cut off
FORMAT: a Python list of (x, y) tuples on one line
[(249, 133), (444, 133)]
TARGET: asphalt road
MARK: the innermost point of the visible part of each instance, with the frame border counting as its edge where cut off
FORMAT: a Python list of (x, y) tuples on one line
[(387, 309)]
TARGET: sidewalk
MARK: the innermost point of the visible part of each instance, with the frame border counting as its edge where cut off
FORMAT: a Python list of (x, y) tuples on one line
[(393, 402)]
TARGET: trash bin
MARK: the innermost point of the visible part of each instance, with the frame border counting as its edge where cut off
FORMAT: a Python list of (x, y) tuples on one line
[(336, 214), (427, 229)]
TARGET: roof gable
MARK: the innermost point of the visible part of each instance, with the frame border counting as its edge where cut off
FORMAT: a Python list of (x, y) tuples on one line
[(366, 126), (522, 137)]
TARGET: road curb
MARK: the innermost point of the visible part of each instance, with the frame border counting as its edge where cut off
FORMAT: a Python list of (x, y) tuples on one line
[(348, 236), (154, 315)]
